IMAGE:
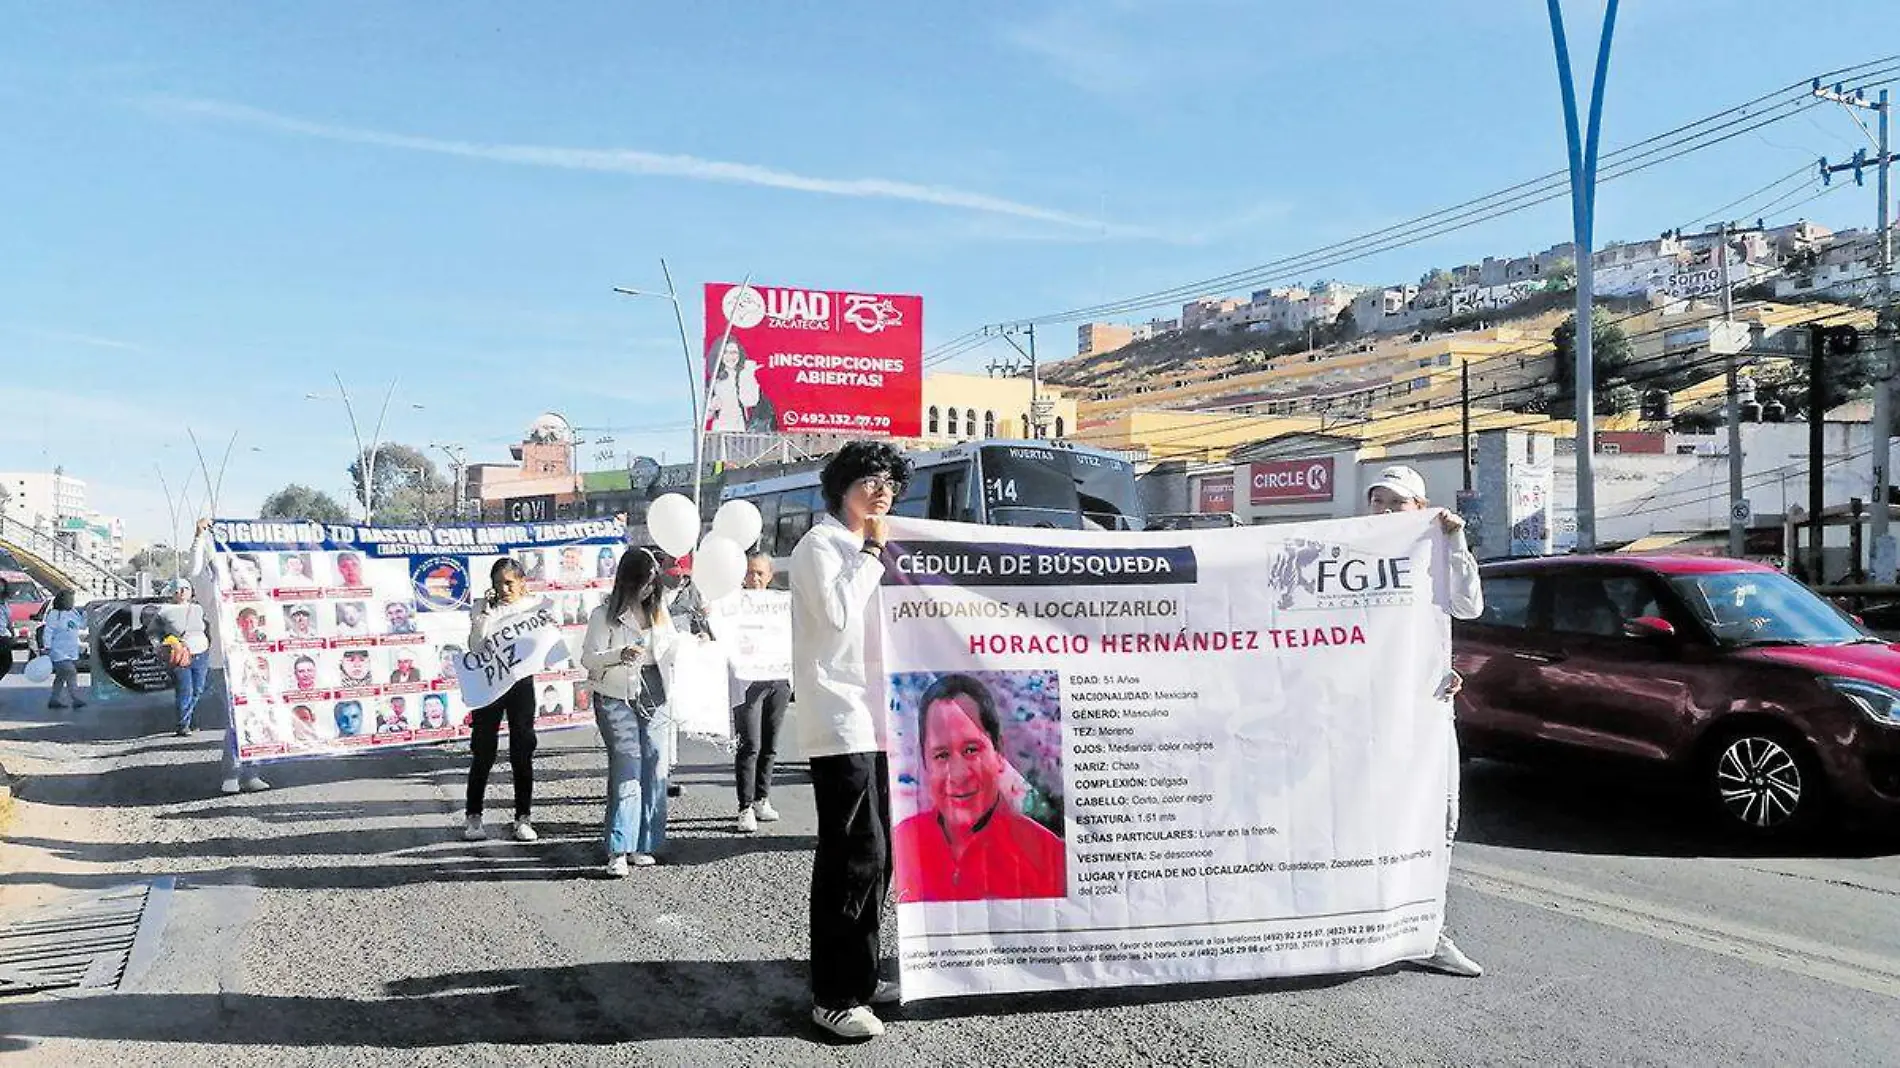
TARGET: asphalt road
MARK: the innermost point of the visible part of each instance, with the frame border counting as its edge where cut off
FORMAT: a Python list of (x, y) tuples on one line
[(339, 919)]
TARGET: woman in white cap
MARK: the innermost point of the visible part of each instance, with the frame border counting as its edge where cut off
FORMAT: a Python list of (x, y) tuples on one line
[(1402, 489)]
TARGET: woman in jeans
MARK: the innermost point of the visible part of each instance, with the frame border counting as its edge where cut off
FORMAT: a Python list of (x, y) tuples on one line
[(507, 592), (63, 624), (182, 622), (628, 638)]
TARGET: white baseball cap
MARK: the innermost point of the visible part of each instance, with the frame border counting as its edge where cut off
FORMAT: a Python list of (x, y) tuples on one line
[(1401, 480)]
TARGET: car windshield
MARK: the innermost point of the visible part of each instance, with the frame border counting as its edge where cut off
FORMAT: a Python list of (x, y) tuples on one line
[(1764, 608)]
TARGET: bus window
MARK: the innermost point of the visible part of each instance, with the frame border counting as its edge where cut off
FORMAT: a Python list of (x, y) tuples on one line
[(768, 523), (949, 494), (916, 499), (797, 511)]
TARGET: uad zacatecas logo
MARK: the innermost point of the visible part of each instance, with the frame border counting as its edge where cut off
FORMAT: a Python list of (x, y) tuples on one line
[(1314, 574)]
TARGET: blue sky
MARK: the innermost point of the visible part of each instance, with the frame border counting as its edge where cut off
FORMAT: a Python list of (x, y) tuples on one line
[(211, 206)]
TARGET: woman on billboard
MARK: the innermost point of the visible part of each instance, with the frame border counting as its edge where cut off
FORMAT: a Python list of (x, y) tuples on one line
[(733, 401)]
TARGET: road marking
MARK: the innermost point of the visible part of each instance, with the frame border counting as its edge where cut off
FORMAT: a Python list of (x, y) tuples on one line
[(1872, 972)]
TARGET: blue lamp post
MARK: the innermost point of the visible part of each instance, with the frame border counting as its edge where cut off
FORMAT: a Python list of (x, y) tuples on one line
[(1583, 189)]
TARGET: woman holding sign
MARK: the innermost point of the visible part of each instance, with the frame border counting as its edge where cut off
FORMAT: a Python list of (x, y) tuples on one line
[(628, 638), (1402, 489), (508, 586)]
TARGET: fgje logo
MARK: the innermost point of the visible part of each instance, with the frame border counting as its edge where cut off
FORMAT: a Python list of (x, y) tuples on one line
[(441, 582), (1312, 574)]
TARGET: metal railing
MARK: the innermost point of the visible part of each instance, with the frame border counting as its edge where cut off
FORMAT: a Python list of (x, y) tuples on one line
[(38, 549)]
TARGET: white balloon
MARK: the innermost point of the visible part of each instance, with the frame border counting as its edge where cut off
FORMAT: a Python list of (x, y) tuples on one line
[(740, 521), (673, 523), (38, 669), (718, 567)]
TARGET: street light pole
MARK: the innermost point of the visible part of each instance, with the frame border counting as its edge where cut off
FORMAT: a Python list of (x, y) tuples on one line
[(698, 373), (1582, 147)]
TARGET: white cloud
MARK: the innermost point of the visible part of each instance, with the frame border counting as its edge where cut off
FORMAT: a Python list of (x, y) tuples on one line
[(630, 161), (68, 337)]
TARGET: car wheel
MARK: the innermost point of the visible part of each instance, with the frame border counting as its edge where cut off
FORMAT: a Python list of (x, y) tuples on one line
[(1764, 782)]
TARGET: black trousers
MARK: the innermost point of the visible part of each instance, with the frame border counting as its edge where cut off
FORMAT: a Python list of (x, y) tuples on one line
[(755, 723), (849, 876), (518, 705)]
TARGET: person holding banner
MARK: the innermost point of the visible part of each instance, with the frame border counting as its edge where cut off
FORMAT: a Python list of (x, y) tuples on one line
[(204, 583), (630, 637), (508, 587), (836, 569), (756, 717), (1402, 489)]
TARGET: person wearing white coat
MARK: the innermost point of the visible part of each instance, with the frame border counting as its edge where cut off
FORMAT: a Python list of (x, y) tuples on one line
[(630, 640), (1402, 489)]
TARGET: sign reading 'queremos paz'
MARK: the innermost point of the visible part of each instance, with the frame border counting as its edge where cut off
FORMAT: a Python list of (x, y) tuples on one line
[(1124, 759)]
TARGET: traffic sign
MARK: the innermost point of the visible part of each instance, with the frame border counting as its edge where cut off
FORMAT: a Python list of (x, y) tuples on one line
[(1741, 511)]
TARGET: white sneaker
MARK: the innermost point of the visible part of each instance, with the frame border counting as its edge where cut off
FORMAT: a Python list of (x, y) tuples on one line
[(765, 811), (253, 785), (524, 832), (617, 867), (748, 823), (644, 860), (1451, 960), (888, 992), (473, 831), (855, 1022), (229, 786)]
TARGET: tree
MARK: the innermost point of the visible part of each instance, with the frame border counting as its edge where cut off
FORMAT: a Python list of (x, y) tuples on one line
[(1610, 352), (157, 560), (1619, 399), (408, 489), (297, 501)]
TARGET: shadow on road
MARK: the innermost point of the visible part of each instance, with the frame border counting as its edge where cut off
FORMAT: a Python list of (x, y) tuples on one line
[(1564, 809), (587, 1004)]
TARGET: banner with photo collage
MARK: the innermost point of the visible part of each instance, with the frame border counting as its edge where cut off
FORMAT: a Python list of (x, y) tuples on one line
[(339, 638)]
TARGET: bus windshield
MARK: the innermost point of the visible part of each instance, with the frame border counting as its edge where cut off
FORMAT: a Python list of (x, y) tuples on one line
[(1035, 486)]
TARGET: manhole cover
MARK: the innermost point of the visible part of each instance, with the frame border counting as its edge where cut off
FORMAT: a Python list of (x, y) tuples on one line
[(89, 942)]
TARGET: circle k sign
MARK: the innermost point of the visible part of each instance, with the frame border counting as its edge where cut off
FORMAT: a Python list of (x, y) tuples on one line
[(1292, 481)]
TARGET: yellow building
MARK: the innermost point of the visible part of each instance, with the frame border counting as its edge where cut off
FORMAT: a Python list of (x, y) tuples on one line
[(960, 407)]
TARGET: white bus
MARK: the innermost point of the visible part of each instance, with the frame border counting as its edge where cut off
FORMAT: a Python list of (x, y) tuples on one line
[(1005, 483)]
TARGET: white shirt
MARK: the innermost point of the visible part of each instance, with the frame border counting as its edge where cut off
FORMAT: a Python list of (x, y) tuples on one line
[(1465, 593), (833, 583), (62, 633), (600, 651)]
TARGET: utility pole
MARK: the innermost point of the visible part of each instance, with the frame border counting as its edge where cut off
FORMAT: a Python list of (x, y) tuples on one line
[(1037, 417), (1883, 554), (1728, 344), (1464, 419), (1817, 445)]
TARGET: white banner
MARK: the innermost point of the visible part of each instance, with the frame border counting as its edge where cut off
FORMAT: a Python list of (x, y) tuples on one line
[(523, 641), (755, 627), (1165, 757), (696, 690)]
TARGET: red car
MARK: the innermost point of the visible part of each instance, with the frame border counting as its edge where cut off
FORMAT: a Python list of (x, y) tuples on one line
[(1776, 706), (22, 599)]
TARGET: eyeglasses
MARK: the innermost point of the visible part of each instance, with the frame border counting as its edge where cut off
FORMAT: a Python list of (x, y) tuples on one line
[(879, 484)]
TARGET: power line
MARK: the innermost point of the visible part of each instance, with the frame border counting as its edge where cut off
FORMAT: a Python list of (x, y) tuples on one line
[(1619, 163)]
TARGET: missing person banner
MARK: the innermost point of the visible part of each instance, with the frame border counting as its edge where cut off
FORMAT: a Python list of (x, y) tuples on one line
[(1124, 759), (338, 638), (755, 627)]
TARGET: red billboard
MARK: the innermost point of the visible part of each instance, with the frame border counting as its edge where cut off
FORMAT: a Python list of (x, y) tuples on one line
[(1216, 494), (1292, 481), (813, 361)]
